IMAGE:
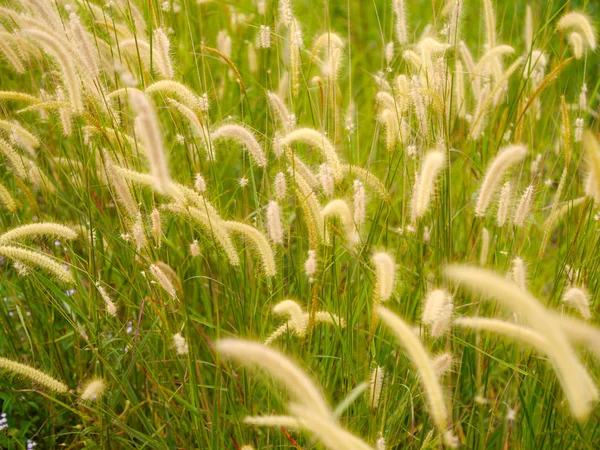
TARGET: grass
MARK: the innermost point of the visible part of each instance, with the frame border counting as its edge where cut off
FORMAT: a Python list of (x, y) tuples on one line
[(499, 393)]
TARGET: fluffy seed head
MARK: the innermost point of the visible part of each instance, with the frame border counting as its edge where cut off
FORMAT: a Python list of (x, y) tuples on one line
[(243, 136), (180, 344), (35, 375), (524, 207), (429, 378), (578, 298), (506, 158), (341, 209), (274, 223), (111, 308), (385, 275), (359, 202), (519, 273), (437, 312), (581, 23), (376, 383), (93, 390), (425, 183), (281, 368), (280, 186)]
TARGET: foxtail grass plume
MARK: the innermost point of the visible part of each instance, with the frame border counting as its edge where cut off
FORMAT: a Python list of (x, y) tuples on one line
[(279, 367), (328, 431), (111, 308), (442, 364), (161, 52), (578, 298), (582, 24), (506, 158), (298, 320), (519, 274), (580, 395), (401, 29), (429, 379), (244, 137), (200, 183), (437, 312), (274, 223), (385, 276), (359, 203), (591, 146), (35, 375), (7, 199), (504, 202), (259, 241), (425, 183), (149, 130), (65, 61), (93, 390), (37, 259), (280, 186), (341, 209), (376, 383), (326, 178), (163, 280), (194, 249), (524, 207), (38, 229), (310, 265), (318, 140)]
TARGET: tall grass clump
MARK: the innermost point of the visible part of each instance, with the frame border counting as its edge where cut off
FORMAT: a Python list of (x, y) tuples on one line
[(297, 224)]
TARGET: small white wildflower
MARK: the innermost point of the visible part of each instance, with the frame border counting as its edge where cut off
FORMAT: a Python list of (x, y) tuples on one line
[(180, 344), (326, 178), (243, 182), (511, 415), (179, 139), (548, 182), (3, 422)]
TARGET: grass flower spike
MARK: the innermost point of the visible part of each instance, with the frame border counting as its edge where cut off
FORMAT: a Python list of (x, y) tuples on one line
[(427, 373), (424, 184), (506, 158), (35, 375), (581, 395)]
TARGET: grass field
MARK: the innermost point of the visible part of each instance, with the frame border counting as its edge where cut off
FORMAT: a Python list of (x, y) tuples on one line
[(299, 224)]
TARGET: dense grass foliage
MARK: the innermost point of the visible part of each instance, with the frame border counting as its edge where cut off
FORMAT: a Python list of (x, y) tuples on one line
[(322, 176)]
